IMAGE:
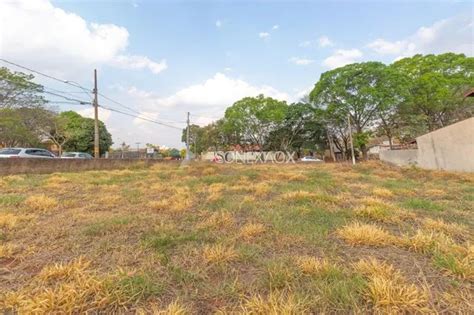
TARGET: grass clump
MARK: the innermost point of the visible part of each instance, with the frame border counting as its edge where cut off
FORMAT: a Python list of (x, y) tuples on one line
[(7, 250), (357, 233), (275, 303), (218, 220), (219, 254), (251, 230), (439, 225), (382, 192), (312, 266), (41, 203), (67, 288), (388, 290)]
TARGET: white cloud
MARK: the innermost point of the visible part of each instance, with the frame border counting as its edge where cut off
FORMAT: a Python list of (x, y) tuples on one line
[(104, 114), (36, 32), (342, 57), (301, 61), (139, 62), (449, 35), (210, 97), (228, 69), (264, 35), (218, 23), (324, 41), (275, 27)]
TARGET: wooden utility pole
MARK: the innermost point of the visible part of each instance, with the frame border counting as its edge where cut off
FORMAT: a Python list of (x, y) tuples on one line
[(187, 140), (350, 137), (96, 118)]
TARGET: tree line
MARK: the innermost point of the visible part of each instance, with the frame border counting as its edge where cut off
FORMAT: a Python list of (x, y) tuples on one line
[(400, 101), (27, 119)]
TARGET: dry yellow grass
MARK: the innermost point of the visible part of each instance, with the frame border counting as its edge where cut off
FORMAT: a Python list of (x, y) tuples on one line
[(388, 291), (41, 203), (174, 308), (275, 303), (261, 189), (64, 271), (439, 225), (218, 220), (219, 254), (357, 233), (312, 265), (382, 192), (7, 250), (236, 241), (298, 195), (56, 181), (10, 220), (251, 230)]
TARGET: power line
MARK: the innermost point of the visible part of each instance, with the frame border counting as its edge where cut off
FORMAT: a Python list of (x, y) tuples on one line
[(55, 94), (83, 102), (142, 118), (38, 72), (133, 110)]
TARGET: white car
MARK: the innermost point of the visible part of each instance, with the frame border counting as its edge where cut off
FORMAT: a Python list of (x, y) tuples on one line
[(34, 153), (76, 155), (310, 159)]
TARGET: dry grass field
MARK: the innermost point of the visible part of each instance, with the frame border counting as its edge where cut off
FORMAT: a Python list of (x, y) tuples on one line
[(262, 239)]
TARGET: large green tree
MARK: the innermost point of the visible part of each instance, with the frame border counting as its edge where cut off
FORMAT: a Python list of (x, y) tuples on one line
[(80, 132), (252, 119), (300, 129), (436, 89), (361, 91), (17, 90)]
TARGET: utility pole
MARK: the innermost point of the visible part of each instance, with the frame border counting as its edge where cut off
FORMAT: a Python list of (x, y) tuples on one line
[(350, 137), (187, 140), (96, 118), (138, 148)]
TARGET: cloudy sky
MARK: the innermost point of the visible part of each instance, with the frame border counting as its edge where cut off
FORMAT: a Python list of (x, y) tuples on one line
[(164, 58)]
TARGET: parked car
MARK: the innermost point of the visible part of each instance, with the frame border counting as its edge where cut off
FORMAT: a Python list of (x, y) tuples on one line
[(76, 155), (310, 159), (35, 153)]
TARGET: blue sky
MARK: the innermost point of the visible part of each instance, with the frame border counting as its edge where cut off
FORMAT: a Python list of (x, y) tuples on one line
[(163, 58)]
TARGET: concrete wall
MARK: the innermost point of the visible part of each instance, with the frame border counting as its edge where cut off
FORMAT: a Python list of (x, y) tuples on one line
[(399, 157), (44, 166), (449, 148)]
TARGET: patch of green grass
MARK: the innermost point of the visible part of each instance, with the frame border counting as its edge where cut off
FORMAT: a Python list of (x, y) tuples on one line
[(132, 195), (421, 204), (162, 241), (138, 286), (338, 291), (106, 226), (11, 199), (279, 274), (397, 184)]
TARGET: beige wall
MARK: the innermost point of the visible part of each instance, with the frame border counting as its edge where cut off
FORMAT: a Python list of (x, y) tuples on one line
[(450, 148), (399, 157)]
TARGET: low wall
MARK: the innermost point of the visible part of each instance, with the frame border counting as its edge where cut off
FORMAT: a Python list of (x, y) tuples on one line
[(44, 166), (450, 148), (399, 157)]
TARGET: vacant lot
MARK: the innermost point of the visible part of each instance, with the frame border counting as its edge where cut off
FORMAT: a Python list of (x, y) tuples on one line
[(238, 239)]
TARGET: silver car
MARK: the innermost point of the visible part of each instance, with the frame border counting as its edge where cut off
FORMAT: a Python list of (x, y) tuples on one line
[(35, 153), (76, 155)]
